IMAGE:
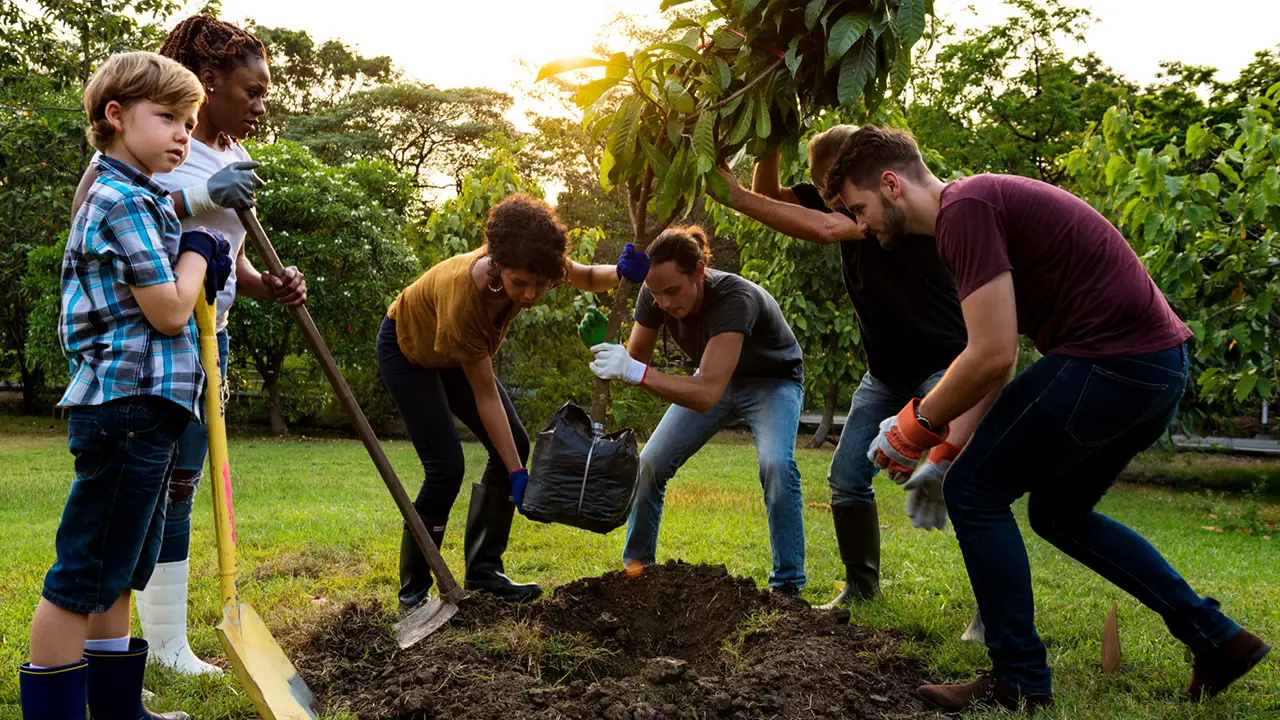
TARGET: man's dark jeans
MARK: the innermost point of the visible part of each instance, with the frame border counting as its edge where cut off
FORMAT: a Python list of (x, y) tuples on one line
[(1062, 431)]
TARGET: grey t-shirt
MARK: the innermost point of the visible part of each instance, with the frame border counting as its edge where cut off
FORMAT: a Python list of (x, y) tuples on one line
[(733, 304)]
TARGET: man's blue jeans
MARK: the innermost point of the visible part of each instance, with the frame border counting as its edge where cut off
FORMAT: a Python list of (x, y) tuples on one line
[(1062, 431), (772, 408), (851, 472)]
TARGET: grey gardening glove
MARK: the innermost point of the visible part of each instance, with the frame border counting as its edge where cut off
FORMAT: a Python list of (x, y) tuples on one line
[(231, 187), (925, 505)]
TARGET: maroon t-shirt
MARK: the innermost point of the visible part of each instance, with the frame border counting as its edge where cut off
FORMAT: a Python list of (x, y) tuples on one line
[(1080, 289)]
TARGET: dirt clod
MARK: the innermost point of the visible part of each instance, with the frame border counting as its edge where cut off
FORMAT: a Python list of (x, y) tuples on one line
[(678, 641)]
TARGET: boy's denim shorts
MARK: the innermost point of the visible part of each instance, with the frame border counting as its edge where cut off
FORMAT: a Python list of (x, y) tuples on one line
[(113, 522)]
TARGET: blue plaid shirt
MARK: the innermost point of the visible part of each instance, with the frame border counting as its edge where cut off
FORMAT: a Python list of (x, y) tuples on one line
[(126, 234)]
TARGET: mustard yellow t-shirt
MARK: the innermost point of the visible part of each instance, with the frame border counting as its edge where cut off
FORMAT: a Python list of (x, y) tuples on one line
[(441, 320)]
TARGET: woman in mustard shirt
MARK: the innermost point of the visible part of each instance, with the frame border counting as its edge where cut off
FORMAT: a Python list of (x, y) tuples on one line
[(435, 351)]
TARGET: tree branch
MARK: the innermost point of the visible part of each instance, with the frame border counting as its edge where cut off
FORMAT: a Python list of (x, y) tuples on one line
[(767, 72)]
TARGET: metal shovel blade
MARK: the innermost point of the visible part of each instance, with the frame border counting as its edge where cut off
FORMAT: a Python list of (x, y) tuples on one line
[(265, 673), (423, 621)]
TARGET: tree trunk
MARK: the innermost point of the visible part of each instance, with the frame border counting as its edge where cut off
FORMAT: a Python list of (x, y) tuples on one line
[(275, 410), (828, 417), (32, 381)]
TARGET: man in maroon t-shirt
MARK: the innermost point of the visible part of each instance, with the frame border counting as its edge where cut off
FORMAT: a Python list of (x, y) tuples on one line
[(1030, 258)]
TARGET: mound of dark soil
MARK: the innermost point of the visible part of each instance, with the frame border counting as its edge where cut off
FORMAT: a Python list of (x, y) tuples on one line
[(679, 641)]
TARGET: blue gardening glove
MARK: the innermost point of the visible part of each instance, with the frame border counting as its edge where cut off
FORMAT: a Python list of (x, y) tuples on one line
[(216, 251), (519, 481), (633, 264), (231, 187)]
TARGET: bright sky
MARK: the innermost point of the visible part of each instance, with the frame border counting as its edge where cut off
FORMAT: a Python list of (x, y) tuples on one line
[(478, 42)]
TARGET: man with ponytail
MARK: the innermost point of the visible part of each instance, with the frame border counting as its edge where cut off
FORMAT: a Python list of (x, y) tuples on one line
[(749, 367), (216, 180)]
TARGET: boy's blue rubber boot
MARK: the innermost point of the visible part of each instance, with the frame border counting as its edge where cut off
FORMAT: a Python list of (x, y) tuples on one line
[(115, 685), (58, 692)]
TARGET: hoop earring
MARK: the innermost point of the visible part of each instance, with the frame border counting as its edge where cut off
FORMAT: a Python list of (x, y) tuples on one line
[(496, 289)]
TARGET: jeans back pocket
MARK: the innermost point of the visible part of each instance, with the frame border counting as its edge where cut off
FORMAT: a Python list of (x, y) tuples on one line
[(1111, 404)]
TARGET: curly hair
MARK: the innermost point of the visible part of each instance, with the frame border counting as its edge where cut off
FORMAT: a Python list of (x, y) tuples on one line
[(203, 41), (685, 245), (523, 233)]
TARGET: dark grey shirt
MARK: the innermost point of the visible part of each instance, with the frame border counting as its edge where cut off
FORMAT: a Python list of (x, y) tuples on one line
[(733, 304)]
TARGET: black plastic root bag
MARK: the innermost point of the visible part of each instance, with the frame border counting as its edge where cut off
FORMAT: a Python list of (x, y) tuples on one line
[(579, 478)]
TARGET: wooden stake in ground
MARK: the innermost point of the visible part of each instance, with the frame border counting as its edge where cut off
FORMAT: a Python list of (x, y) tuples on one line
[(1111, 641)]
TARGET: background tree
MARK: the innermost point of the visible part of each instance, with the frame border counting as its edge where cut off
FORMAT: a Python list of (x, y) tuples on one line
[(428, 133), (1204, 216), (307, 78), (1006, 98), (336, 226)]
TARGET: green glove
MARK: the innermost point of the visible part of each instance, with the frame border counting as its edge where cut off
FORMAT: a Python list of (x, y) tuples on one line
[(592, 327)]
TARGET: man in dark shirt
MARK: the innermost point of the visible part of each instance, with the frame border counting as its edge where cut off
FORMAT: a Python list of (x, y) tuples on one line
[(749, 366), (912, 328), (1030, 258)]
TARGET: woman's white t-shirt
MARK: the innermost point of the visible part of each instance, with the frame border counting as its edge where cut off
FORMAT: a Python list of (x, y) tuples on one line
[(202, 162)]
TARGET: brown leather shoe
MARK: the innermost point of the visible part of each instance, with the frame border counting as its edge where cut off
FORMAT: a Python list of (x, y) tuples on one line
[(986, 690), (1211, 673)]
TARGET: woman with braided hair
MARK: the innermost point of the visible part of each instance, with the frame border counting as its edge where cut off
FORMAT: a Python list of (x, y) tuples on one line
[(215, 181)]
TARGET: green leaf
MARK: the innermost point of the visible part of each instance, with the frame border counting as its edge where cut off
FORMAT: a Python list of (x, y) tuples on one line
[(811, 12), (1152, 225), (704, 139), (746, 114), (1245, 386), (1264, 301), (606, 166), (672, 186), (1275, 146), (910, 21), (1210, 183), (679, 98), (592, 91), (668, 4), (846, 31), (683, 51), (763, 126), (792, 59), (745, 8), (856, 68), (675, 127), (718, 186), (563, 65), (618, 67), (721, 72), (657, 161), (727, 40), (1197, 140), (901, 71), (625, 131), (1228, 171)]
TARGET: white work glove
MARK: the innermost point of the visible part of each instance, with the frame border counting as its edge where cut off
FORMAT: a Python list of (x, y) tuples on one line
[(925, 505), (614, 363)]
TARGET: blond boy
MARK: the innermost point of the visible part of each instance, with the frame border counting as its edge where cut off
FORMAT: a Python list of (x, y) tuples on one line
[(130, 279)]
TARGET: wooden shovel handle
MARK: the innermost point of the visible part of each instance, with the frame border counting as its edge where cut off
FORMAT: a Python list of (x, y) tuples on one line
[(449, 589)]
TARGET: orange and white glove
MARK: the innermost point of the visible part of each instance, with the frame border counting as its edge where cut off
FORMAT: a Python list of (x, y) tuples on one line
[(925, 505), (902, 442)]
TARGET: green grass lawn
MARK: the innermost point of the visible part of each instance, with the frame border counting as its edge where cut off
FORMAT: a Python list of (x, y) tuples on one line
[(317, 528)]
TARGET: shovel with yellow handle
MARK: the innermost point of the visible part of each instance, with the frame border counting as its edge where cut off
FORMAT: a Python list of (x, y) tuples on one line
[(271, 681)]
